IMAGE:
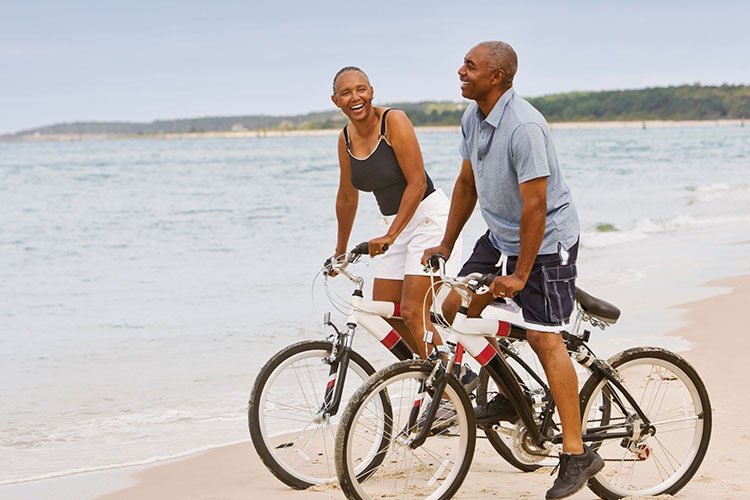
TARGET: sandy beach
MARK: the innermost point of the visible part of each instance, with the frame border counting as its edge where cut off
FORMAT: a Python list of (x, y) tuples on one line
[(720, 354)]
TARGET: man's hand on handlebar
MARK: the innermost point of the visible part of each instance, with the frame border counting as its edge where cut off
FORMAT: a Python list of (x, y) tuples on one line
[(440, 249), (507, 286)]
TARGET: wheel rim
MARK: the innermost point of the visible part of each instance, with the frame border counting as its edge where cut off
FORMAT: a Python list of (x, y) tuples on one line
[(297, 437), (650, 465), (426, 471)]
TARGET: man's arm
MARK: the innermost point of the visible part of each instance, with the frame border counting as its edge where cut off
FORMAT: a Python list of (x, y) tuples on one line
[(533, 221), (463, 201)]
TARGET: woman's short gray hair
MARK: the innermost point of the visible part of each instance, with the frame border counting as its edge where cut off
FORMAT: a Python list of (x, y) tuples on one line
[(347, 69)]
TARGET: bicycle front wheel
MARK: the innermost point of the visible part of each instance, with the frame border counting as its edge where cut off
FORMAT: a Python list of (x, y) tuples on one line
[(671, 394), (370, 467), (292, 435)]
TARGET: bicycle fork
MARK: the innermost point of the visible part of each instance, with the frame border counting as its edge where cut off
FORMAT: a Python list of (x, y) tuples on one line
[(437, 380), (339, 362)]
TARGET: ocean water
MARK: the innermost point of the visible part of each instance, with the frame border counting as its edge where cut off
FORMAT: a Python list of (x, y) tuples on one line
[(143, 283)]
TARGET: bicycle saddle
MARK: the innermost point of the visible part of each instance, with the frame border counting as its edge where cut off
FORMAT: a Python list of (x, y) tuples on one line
[(598, 308)]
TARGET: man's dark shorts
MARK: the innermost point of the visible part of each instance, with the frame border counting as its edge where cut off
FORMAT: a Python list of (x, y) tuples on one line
[(549, 295)]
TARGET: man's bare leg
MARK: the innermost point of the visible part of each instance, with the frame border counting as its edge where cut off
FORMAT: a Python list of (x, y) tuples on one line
[(563, 382)]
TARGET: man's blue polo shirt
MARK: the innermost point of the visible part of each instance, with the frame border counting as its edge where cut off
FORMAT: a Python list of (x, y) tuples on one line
[(511, 146)]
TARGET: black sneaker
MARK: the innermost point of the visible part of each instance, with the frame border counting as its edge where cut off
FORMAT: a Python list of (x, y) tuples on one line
[(468, 378), (445, 417), (499, 408), (575, 470)]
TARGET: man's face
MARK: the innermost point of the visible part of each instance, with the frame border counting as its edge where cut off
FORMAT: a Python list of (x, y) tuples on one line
[(476, 74)]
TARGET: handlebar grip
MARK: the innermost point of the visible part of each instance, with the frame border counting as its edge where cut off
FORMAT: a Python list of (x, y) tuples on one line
[(361, 249), (434, 260), (364, 248), (484, 280), (487, 279)]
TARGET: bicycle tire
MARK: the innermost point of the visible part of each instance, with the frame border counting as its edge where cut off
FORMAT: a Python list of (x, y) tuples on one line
[(674, 398), (399, 381), (271, 439)]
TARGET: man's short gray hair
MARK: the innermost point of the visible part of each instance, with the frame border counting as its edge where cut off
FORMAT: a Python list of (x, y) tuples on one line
[(502, 56)]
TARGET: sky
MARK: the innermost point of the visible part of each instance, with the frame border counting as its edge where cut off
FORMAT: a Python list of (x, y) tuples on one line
[(142, 61)]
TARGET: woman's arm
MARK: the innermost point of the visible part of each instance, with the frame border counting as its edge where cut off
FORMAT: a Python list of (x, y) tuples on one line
[(347, 199), (403, 139)]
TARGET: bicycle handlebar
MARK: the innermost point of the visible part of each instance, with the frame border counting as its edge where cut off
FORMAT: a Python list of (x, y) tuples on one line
[(472, 282), (484, 280), (338, 264)]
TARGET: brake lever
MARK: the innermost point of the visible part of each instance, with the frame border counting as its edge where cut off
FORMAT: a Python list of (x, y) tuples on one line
[(476, 286), (330, 265)]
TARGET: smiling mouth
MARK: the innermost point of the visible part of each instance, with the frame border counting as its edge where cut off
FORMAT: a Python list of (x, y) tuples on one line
[(357, 107)]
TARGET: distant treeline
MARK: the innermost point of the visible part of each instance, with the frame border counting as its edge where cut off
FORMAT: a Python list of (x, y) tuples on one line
[(686, 102)]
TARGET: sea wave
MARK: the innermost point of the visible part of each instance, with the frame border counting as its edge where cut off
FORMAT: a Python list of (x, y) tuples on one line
[(709, 192), (602, 235)]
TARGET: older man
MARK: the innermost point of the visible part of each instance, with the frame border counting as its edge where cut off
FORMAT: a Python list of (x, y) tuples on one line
[(510, 167)]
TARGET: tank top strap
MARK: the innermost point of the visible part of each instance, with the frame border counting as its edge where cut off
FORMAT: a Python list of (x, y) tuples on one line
[(346, 137), (382, 123)]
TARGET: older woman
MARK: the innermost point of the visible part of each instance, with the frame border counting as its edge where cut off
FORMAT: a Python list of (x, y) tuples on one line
[(379, 152)]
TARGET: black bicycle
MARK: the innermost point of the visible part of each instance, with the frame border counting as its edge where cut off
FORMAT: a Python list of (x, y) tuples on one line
[(645, 410)]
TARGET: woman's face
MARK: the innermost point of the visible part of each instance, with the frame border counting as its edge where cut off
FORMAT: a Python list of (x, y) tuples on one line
[(353, 95)]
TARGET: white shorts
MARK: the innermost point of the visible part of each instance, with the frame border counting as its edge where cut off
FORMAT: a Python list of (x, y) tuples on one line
[(424, 230)]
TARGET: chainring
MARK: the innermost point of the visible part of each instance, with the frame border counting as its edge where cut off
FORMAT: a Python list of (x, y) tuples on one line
[(524, 449)]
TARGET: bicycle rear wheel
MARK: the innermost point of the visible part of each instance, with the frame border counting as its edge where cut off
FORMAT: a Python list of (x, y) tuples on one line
[(434, 470), (293, 437), (673, 397)]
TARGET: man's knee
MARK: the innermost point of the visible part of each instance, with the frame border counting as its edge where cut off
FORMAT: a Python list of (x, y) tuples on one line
[(545, 343), (450, 306)]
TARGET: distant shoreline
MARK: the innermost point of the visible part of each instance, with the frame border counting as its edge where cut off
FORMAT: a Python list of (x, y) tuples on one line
[(644, 124)]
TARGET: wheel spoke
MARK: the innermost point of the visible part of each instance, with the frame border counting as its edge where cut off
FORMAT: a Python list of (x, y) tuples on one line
[(427, 471), (670, 395), (286, 427)]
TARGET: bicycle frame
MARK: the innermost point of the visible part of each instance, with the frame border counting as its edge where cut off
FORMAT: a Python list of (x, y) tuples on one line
[(470, 334), (371, 315)]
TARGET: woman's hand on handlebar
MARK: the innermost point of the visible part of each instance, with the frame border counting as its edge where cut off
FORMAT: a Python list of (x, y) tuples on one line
[(379, 245), (329, 264)]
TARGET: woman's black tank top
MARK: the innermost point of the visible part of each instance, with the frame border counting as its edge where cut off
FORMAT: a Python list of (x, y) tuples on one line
[(381, 174)]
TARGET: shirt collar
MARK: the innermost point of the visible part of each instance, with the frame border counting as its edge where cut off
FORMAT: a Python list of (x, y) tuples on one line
[(497, 111)]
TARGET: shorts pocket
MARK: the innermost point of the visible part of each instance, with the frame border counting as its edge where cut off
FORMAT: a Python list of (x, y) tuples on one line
[(559, 291)]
